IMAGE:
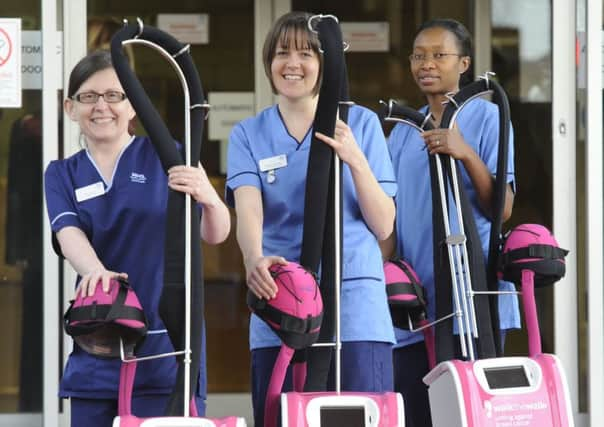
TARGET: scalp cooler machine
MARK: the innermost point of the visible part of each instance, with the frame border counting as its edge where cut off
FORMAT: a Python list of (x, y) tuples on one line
[(183, 285), (491, 391), (313, 405)]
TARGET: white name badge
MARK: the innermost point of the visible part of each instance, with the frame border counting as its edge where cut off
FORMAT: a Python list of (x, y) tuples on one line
[(272, 163), (90, 191)]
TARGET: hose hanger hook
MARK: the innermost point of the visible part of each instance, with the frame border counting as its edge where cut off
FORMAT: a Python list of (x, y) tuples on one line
[(486, 76), (451, 98), (389, 106), (319, 17), (312, 28), (141, 27), (186, 49), (426, 120), (205, 106)]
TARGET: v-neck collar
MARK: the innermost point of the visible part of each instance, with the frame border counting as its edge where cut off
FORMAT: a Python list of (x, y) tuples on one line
[(109, 184), (298, 143)]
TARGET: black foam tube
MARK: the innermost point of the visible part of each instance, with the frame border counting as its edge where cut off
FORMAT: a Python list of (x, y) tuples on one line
[(500, 191), (405, 113), (318, 241), (172, 300)]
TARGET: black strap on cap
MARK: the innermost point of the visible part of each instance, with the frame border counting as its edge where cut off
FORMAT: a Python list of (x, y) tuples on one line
[(172, 302), (533, 251), (411, 288), (91, 317), (401, 288), (318, 241)]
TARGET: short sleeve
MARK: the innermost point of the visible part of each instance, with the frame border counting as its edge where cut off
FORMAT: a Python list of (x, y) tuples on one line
[(376, 152), (241, 166), (62, 211)]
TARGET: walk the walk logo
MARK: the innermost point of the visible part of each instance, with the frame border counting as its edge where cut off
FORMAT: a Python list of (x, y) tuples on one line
[(138, 177)]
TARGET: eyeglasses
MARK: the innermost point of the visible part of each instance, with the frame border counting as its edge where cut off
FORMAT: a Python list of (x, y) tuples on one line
[(111, 97), (439, 57)]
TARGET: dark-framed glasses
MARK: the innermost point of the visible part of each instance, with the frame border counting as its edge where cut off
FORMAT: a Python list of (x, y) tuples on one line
[(111, 97), (416, 58)]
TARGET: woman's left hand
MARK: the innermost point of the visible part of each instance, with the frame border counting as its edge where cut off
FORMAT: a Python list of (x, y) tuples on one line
[(446, 141), (343, 143), (193, 181)]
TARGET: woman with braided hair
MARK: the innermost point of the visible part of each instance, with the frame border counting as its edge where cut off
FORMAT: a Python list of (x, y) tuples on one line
[(440, 61)]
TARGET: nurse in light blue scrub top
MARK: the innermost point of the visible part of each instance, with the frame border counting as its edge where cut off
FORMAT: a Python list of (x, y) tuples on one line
[(441, 57), (266, 181)]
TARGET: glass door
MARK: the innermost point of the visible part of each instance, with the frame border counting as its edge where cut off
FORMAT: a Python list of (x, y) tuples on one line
[(29, 350)]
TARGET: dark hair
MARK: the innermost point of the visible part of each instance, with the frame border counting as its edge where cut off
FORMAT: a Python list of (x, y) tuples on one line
[(291, 28), (92, 63), (462, 37)]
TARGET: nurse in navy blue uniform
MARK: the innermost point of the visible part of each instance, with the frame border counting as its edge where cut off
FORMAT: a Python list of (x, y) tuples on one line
[(441, 57), (266, 180), (107, 209)]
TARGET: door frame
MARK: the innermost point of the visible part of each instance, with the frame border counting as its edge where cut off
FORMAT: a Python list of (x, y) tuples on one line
[(594, 199)]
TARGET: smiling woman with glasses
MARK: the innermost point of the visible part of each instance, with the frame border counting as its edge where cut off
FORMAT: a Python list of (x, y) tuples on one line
[(111, 96), (107, 209), (441, 59)]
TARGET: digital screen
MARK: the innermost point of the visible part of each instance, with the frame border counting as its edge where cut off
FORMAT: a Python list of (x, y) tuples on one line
[(506, 377), (349, 416)]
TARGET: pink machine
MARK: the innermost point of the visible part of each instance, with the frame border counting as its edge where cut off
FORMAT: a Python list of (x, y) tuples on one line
[(351, 409), (502, 391), (510, 391), (295, 314)]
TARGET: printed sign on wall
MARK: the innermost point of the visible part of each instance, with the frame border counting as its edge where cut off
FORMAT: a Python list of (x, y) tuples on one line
[(10, 63), (192, 28)]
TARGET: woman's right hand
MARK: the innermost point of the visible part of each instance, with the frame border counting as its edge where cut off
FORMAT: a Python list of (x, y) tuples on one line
[(89, 281), (258, 276)]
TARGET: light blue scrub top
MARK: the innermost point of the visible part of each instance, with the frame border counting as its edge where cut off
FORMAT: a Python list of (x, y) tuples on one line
[(478, 122), (365, 315)]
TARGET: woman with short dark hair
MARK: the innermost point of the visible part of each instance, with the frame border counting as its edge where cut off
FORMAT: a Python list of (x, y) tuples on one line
[(270, 208)]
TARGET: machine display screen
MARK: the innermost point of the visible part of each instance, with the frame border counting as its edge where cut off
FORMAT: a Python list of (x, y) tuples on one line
[(506, 377), (350, 416)]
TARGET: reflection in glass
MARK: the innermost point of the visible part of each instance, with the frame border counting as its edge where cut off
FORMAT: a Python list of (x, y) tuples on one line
[(21, 263)]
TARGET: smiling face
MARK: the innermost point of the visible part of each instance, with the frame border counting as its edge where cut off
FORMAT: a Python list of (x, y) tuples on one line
[(101, 122), (438, 74), (295, 69)]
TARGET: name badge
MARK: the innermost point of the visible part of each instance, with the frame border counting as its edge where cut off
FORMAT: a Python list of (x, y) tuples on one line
[(90, 191), (272, 163)]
